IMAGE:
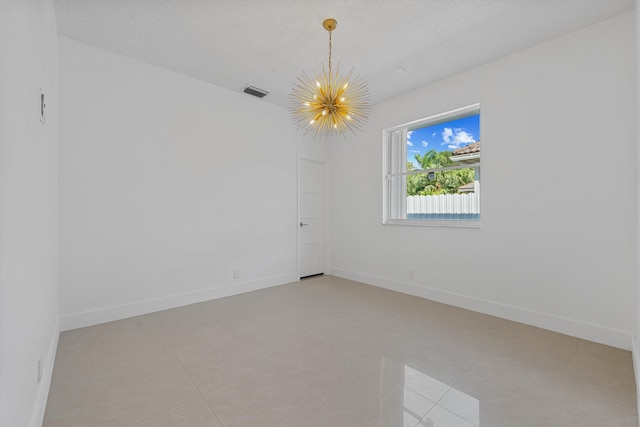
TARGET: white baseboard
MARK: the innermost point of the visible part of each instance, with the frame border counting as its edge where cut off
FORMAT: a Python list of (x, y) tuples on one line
[(109, 314), (575, 328), (47, 372)]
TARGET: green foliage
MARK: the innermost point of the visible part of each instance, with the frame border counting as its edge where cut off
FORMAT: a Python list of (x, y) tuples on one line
[(443, 182), (433, 159)]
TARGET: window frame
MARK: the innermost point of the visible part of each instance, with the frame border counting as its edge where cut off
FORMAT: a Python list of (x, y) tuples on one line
[(394, 213)]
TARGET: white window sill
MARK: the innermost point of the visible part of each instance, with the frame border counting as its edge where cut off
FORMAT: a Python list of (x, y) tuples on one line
[(433, 223)]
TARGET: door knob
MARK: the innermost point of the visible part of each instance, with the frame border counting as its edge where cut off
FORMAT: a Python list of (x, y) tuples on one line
[(303, 224)]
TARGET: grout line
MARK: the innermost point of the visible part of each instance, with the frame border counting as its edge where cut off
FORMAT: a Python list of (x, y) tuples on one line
[(175, 355)]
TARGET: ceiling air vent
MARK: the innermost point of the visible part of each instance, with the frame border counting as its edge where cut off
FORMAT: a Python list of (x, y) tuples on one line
[(251, 90)]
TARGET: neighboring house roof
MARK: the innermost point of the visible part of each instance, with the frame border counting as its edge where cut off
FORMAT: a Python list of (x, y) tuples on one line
[(474, 147), (467, 154), (469, 187)]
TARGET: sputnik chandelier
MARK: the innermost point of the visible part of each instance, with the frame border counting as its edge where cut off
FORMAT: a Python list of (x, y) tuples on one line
[(330, 104)]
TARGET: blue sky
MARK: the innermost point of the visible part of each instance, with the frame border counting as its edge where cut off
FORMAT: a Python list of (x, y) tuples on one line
[(444, 136)]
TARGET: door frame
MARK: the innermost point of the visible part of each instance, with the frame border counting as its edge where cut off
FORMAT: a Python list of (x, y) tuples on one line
[(325, 211)]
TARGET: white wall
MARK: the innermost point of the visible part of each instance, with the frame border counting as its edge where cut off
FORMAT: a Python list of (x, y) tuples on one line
[(28, 209), (167, 184), (636, 328), (558, 129)]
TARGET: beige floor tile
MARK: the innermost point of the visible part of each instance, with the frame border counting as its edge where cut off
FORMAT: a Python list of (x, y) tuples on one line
[(313, 415), (193, 413), (69, 417), (461, 404), (332, 352), (427, 374), (596, 413), (500, 405), (600, 393), (518, 370), (382, 396), (415, 405), (133, 402), (310, 366), (257, 400), (219, 372), (594, 353), (439, 416)]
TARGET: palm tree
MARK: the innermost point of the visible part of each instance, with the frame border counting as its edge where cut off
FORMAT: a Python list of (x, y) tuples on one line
[(433, 159), (442, 182)]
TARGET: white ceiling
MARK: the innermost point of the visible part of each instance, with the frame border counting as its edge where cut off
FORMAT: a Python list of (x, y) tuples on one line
[(396, 45)]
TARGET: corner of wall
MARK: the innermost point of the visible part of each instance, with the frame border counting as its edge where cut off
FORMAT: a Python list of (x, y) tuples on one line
[(635, 343), (635, 355), (110, 314), (587, 331), (47, 373)]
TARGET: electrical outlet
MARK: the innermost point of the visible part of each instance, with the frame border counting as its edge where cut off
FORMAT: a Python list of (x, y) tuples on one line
[(39, 369), (236, 273), (411, 274)]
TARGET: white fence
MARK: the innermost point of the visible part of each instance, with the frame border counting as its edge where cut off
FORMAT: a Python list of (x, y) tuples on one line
[(468, 203)]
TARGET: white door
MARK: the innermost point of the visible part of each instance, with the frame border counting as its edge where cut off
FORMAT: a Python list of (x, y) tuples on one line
[(311, 218)]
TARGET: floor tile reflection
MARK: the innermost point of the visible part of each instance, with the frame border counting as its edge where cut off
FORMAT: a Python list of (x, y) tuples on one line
[(332, 352)]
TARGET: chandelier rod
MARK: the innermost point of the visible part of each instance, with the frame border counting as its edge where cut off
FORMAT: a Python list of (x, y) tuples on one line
[(330, 51), (330, 24)]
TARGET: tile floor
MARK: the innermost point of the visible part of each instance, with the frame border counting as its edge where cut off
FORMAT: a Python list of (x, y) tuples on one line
[(328, 352)]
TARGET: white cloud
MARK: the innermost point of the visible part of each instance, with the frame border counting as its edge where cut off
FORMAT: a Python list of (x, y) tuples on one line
[(462, 138), (414, 151), (425, 143), (409, 134), (409, 143), (433, 135), (447, 135), (455, 138)]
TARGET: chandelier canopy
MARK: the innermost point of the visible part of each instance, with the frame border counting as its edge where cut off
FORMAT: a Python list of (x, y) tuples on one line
[(330, 104)]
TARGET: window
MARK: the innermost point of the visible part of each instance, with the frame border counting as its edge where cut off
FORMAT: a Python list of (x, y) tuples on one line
[(431, 170)]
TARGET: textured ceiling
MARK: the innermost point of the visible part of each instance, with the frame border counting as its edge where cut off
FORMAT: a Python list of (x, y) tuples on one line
[(397, 45)]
